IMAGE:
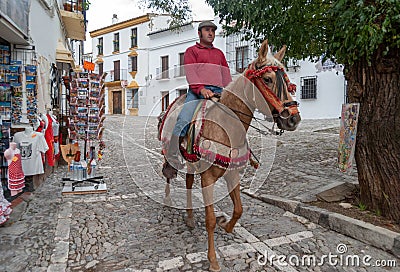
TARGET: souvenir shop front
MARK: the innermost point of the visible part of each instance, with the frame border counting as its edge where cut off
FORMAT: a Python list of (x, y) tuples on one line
[(29, 137), (49, 114), (32, 140)]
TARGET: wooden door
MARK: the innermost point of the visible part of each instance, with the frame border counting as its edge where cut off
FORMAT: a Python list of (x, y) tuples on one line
[(117, 102)]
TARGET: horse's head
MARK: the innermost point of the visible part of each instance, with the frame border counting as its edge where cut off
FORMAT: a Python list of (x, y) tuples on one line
[(268, 74)]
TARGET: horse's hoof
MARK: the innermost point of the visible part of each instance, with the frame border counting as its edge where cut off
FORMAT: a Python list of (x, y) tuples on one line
[(190, 222), (168, 171), (221, 221), (215, 267)]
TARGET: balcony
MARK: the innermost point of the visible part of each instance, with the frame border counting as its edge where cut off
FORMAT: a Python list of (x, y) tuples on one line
[(116, 75), (179, 71), (73, 14), (160, 74)]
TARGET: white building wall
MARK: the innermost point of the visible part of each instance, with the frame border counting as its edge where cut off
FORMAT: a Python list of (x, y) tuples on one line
[(45, 29), (155, 41), (330, 92), (45, 41), (170, 43), (143, 76)]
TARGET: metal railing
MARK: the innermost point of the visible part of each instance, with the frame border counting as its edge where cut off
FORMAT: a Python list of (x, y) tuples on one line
[(116, 75), (75, 5), (160, 74), (179, 71)]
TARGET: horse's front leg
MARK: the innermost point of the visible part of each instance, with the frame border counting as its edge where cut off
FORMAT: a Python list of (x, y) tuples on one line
[(189, 202), (233, 183), (211, 222)]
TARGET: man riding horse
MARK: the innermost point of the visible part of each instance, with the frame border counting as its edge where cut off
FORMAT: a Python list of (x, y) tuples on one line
[(207, 72), (220, 143)]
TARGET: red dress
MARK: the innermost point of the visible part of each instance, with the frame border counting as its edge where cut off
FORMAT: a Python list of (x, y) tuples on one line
[(48, 135), (16, 177)]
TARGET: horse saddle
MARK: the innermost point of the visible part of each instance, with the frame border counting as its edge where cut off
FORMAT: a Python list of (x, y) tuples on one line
[(216, 135)]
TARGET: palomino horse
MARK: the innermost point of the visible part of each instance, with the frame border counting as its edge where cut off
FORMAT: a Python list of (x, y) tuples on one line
[(264, 86)]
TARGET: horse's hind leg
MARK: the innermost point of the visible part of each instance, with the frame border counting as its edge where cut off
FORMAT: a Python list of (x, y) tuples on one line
[(233, 183), (189, 202)]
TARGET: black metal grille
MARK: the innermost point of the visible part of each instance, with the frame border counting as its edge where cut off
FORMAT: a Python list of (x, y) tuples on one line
[(309, 87)]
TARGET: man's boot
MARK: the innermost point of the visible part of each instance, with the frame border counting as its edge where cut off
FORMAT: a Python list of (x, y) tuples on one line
[(173, 152)]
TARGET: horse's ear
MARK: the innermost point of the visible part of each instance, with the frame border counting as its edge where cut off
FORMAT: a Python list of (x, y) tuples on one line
[(262, 53), (279, 56)]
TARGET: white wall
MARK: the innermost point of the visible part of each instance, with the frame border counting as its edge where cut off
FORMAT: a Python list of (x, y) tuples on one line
[(155, 41), (45, 29), (170, 43), (330, 92)]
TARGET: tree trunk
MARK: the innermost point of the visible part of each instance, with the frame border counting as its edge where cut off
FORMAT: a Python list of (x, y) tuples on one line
[(377, 88)]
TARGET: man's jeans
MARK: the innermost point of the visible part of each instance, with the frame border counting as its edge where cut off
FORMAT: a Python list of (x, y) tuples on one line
[(186, 114)]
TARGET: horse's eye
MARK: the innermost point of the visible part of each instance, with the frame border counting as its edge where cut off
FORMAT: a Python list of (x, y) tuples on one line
[(268, 80)]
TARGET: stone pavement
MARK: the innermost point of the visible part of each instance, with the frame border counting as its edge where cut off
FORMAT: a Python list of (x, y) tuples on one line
[(129, 229)]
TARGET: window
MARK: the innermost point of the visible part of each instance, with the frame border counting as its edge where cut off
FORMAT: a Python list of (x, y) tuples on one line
[(179, 70), (308, 87), (100, 68), (133, 64), (132, 98), (135, 100), (100, 46), (165, 100), (181, 64), (116, 42), (242, 58), (164, 67), (117, 74), (181, 91), (133, 37)]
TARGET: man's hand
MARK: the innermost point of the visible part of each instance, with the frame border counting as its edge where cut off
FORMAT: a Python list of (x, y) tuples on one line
[(206, 93)]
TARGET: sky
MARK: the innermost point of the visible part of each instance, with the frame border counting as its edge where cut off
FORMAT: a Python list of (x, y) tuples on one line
[(101, 12)]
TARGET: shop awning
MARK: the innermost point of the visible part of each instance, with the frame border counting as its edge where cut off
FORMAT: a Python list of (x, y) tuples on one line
[(63, 54), (133, 85), (11, 33)]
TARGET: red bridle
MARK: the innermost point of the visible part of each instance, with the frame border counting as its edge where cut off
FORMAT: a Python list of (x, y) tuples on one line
[(255, 76)]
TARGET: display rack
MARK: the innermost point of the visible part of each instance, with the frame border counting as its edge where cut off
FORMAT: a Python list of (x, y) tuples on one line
[(86, 117)]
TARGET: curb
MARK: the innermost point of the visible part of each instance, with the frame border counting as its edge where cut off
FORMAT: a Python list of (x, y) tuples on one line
[(365, 232), (23, 197)]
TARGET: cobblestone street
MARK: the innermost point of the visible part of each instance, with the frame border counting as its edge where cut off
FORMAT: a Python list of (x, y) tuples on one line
[(129, 229)]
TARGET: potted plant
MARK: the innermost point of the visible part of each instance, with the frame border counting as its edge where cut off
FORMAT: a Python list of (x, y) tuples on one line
[(86, 5), (82, 5)]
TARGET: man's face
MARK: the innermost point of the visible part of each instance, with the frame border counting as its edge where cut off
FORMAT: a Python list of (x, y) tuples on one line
[(207, 35)]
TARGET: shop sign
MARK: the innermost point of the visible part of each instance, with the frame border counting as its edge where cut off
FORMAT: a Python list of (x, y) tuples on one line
[(88, 65)]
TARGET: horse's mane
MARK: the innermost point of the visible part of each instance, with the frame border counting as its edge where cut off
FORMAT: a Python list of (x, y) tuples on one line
[(247, 92)]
